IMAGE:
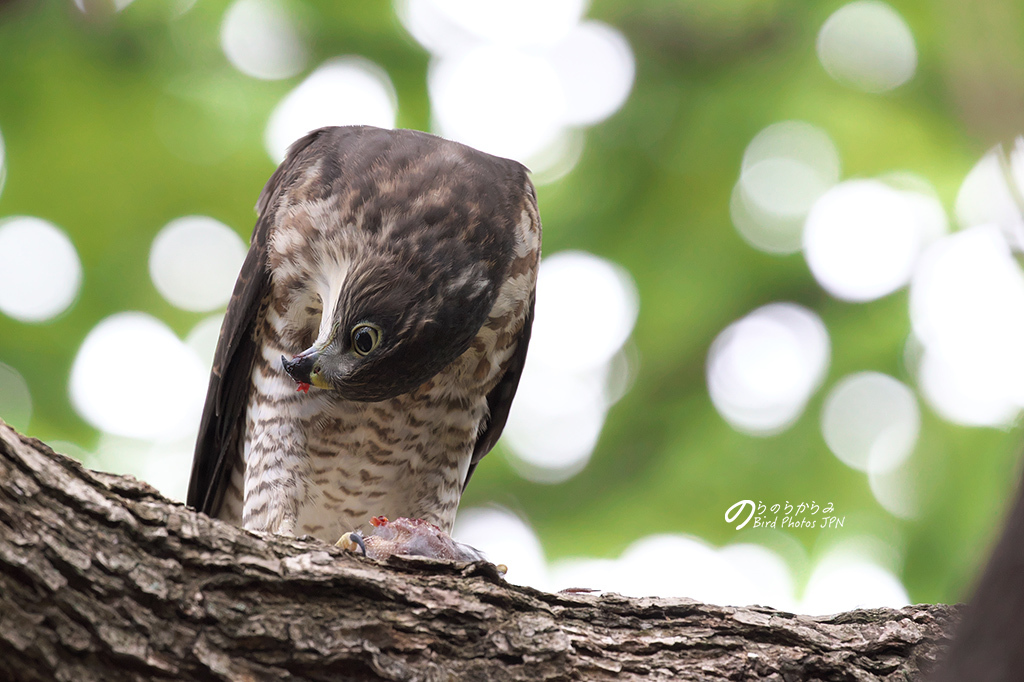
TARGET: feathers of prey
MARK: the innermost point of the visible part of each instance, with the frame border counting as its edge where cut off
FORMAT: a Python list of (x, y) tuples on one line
[(430, 245)]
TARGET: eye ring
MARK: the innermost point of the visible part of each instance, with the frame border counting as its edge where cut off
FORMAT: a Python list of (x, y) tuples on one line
[(365, 338)]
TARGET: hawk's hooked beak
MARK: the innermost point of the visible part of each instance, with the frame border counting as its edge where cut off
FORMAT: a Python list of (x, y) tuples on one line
[(302, 368)]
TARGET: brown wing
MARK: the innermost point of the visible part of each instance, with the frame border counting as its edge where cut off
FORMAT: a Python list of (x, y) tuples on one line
[(222, 428), (499, 400)]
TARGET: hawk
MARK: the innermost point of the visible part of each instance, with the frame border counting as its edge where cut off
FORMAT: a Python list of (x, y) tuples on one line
[(375, 337)]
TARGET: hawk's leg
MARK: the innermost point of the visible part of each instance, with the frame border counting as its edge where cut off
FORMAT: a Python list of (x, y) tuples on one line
[(277, 472), (413, 537)]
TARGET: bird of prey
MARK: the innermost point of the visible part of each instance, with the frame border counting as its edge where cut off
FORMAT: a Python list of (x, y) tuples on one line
[(375, 337)]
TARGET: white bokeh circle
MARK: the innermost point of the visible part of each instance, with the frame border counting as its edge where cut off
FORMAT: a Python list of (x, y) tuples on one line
[(868, 45), (3, 165), (844, 580), (522, 22), (586, 308), (585, 312), (504, 538), (342, 91), (15, 398), (862, 238), (40, 273), (990, 194), (967, 311), (871, 421), (194, 261), (785, 168), (580, 73), (260, 39), (762, 369), (133, 377), (470, 100), (595, 66)]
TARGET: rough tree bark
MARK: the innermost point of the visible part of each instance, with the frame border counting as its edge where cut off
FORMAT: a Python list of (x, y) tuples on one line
[(101, 578)]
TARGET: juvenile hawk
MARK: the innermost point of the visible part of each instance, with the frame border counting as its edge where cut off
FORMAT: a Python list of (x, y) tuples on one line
[(393, 271)]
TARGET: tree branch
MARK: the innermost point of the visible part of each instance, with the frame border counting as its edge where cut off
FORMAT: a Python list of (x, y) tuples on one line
[(101, 578)]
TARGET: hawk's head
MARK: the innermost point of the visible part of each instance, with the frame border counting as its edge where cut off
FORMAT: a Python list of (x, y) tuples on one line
[(389, 249)]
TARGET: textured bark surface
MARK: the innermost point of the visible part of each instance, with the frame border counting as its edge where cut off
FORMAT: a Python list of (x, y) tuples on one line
[(101, 578)]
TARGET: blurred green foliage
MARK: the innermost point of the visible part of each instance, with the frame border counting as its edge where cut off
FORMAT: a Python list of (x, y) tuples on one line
[(116, 123)]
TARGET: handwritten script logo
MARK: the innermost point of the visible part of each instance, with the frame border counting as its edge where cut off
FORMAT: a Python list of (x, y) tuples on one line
[(733, 512), (786, 515)]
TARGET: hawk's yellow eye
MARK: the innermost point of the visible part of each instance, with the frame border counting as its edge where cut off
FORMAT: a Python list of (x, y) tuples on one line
[(365, 337)]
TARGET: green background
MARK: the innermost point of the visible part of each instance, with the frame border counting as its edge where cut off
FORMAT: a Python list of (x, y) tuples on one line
[(78, 96)]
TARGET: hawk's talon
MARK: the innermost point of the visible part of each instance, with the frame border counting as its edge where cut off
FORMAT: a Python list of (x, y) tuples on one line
[(350, 541), (408, 537)]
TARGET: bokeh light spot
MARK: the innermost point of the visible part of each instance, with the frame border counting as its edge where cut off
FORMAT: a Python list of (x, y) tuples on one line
[(167, 466), (557, 159), (164, 465), (862, 238), (799, 141), (586, 308), (3, 164), (897, 490), (868, 45), (871, 421), (260, 39), (786, 167), (555, 422), (765, 571), (762, 369), (671, 565), (595, 65), (15, 398), (504, 538), (342, 91), (992, 192), (967, 310), (194, 261), (433, 28), (782, 186), (40, 273), (581, 72), (203, 338), (762, 229), (844, 580), (133, 377), (683, 566), (90, 6), (521, 22), (470, 102), (962, 395)]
